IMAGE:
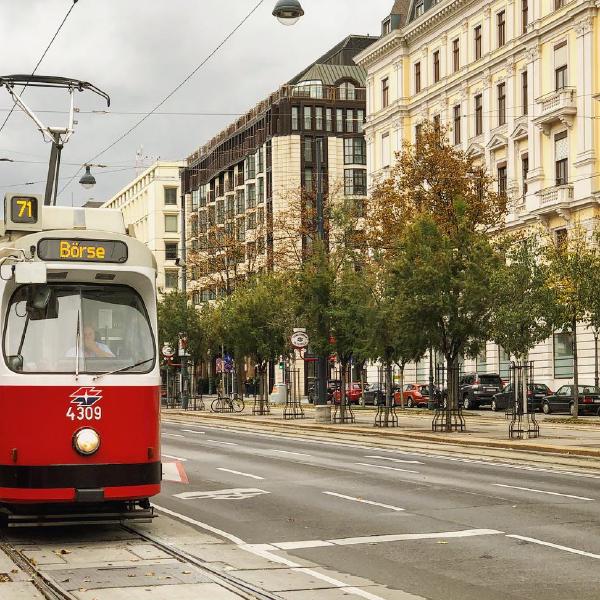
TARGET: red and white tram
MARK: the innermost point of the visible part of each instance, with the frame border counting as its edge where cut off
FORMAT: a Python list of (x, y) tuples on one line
[(79, 375)]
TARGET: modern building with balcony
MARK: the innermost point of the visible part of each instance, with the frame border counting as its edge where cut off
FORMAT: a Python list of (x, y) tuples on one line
[(517, 83), (151, 209)]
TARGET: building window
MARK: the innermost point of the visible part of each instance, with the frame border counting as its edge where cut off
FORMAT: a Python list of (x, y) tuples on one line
[(319, 118), (524, 15), (195, 200), (251, 195), (260, 197), (308, 149), (251, 167), (524, 92), (563, 355), (171, 196), (230, 207), (417, 77), (339, 118), (355, 182), (171, 223), (419, 8), (220, 215), (436, 123), (241, 230), (561, 155), (418, 130), (502, 179), (251, 221), (457, 139), (478, 115), (171, 279), (295, 118), (558, 4), (260, 160), (385, 92), (436, 66), (355, 151), (386, 26), (308, 117), (504, 363), (360, 120), (501, 103), (501, 28), (478, 42), (308, 178), (560, 236), (560, 66), (347, 91), (170, 250), (524, 172), (456, 55), (481, 361), (329, 119), (350, 120), (385, 150)]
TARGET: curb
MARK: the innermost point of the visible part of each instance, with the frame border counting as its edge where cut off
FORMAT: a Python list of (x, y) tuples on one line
[(572, 451)]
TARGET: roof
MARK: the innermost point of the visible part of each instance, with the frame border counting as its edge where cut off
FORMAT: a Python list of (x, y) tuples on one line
[(400, 7), (411, 15), (331, 74)]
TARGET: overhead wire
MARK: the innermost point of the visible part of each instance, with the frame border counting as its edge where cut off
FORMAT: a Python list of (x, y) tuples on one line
[(39, 62), (170, 94)]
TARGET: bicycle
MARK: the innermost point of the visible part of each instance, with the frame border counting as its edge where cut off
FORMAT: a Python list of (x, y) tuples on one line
[(226, 404)]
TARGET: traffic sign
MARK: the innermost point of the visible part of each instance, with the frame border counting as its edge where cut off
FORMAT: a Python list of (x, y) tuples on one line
[(167, 351), (299, 339)]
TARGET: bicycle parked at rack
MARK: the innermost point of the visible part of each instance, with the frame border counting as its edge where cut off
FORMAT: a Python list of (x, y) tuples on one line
[(226, 404)]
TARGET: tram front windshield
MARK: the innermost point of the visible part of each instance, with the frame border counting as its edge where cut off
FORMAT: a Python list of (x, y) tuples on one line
[(78, 329)]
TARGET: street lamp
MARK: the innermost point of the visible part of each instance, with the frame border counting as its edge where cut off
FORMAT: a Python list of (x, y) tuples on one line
[(288, 12), (87, 180)]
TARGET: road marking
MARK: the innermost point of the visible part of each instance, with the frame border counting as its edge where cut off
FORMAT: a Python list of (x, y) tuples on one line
[(232, 494), (389, 506), (172, 434), (557, 546), (377, 539), (262, 550), (288, 452), (175, 457), (386, 467), (515, 487), (224, 443), (397, 460), (239, 473), (193, 431), (174, 471)]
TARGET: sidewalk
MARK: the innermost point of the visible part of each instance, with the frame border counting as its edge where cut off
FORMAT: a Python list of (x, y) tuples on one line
[(484, 431)]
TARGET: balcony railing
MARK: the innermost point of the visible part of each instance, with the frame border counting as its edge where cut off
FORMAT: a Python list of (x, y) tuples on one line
[(560, 105), (557, 194)]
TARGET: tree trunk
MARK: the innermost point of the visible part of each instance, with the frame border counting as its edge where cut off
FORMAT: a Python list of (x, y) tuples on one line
[(575, 370), (401, 386), (388, 391), (344, 366), (453, 399)]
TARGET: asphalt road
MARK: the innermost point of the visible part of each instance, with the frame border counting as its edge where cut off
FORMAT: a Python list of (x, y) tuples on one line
[(455, 528)]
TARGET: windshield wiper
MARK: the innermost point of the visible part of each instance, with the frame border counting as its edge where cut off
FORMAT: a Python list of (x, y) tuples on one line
[(126, 368)]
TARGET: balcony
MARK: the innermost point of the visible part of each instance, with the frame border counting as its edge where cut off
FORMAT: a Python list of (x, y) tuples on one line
[(558, 106), (555, 200)]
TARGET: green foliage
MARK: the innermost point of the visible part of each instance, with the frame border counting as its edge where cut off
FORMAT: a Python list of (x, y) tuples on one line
[(524, 305), (175, 315)]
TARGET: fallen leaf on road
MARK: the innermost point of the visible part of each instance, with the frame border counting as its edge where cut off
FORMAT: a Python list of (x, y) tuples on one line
[(65, 551)]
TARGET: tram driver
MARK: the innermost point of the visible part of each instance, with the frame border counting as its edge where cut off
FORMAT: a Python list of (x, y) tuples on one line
[(91, 348)]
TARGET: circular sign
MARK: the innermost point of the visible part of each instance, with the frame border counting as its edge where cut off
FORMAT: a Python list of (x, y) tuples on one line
[(167, 351), (299, 339)]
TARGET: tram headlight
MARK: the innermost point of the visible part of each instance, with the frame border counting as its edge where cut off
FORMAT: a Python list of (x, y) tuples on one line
[(86, 441)]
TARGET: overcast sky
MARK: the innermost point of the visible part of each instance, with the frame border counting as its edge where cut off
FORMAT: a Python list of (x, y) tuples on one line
[(138, 51)]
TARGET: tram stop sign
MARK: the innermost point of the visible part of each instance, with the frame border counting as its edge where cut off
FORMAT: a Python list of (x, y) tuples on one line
[(299, 339), (167, 351)]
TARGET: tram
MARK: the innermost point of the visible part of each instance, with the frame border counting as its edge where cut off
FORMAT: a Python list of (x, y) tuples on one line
[(79, 375)]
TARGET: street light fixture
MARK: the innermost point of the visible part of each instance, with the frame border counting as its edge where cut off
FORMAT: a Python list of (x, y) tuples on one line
[(288, 12), (87, 180)]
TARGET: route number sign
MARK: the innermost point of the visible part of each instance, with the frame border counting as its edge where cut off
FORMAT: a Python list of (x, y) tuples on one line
[(24, 209)]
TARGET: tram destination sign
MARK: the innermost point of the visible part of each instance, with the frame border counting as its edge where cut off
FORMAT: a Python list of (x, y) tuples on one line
[(81, 250)]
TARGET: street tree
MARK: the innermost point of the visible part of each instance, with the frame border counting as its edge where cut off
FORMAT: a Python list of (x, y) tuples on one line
[(175, 316)]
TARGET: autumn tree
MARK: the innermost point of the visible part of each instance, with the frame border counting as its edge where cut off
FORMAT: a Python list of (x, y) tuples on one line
[(176, 316)]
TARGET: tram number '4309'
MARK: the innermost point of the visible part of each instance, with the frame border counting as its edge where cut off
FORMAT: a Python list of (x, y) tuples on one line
[(84, 413)]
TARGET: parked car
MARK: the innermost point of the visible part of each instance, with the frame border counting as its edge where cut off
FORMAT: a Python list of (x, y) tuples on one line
[(353, 393), (563, 400), (415, 394), (535, 396), (477, 389), (374, 394)]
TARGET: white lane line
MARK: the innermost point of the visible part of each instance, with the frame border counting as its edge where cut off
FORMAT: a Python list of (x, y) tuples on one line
[(262, 550), (223, 443), (172, 434), (524, 489), (377, 539), (557, 546), (239, 473), (386, 467), (193, 431), (288, 452), (175, 457), (397, 460), (363, 501)]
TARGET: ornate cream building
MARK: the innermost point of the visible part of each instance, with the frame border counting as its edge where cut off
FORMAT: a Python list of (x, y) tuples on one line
[(517, 81)]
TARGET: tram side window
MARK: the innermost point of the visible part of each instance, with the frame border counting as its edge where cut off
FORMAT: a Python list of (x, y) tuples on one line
[(101, 329)]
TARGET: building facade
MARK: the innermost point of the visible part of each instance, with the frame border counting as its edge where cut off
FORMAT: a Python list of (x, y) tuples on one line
[(151, 209), (515, 81)]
